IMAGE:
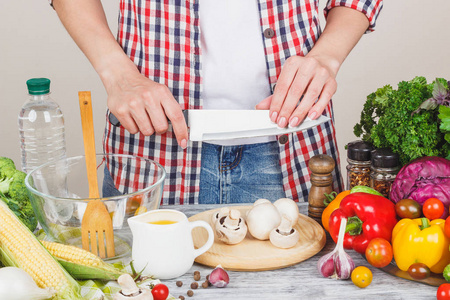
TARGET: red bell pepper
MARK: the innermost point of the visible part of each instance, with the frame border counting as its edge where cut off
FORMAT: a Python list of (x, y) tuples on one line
[(368, 217)]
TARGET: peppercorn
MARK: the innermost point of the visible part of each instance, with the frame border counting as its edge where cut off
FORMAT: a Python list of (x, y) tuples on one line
[(194, 285), (181, 297), (205, 284), (190, 293), (197, 276), (179, 283), (197, 272)]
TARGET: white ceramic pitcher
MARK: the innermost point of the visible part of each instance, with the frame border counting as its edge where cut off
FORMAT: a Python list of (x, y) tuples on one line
[(165, 251)]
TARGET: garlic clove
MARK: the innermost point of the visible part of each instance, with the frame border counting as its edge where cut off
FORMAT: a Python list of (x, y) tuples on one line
[(326, 265), (219, 277)]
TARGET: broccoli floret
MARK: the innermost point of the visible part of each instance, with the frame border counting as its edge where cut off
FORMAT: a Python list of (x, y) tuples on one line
[(4, 184), (13, 192), (23, 210), (7, 167), (17, 187)]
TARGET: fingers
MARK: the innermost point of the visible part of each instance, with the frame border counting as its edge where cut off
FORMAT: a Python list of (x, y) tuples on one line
[(147, 108), (328, 91), (304, 88), (264, 104), (175, 115)]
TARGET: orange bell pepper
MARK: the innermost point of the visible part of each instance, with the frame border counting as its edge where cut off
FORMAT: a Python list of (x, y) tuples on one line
[(332, 206)]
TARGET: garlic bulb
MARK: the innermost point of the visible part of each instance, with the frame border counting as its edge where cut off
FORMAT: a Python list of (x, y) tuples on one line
[(337, 264)]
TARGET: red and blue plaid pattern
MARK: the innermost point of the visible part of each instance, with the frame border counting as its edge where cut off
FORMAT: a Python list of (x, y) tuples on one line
[(162, 37)]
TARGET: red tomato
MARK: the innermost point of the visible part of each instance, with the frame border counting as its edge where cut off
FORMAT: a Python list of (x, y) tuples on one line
[(160, 292), (447, 227), (379, 252), (433, 208), (443, 292)]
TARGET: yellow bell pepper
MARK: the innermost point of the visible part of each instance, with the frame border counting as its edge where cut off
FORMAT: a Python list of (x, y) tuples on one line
[(420, 240)]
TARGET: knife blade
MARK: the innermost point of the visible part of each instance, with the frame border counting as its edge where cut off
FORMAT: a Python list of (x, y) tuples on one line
[(206, 125)]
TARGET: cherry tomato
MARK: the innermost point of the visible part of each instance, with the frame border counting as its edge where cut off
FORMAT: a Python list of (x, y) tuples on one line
[(419, 271), (160, 292), (443, 292), (447, 227), (379, 252), (433, 208), (362, 277), (408, 208)]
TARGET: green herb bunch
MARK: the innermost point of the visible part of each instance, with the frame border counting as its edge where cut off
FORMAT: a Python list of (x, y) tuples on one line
[(413, 120)]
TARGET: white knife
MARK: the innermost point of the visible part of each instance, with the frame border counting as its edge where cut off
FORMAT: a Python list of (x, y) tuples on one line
[(207, 125)]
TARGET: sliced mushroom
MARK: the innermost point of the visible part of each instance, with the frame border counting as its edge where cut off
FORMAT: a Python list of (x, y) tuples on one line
[(130, 291), (284, 236), (231, 229)]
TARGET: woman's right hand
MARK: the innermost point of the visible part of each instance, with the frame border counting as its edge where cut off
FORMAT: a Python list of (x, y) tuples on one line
[(142, 105)]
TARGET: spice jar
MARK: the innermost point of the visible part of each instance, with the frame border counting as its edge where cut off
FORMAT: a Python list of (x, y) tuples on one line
[(358, 168), (384, 169)]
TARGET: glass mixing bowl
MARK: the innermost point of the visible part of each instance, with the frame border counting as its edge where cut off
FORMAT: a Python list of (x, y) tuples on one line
[(59, 194)]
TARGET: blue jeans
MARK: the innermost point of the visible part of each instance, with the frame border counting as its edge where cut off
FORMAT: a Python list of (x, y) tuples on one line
[(108, 188), (240, 174), (232, 174)]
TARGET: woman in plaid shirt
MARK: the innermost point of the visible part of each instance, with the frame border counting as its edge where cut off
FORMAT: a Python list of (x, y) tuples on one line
[(164, 61)]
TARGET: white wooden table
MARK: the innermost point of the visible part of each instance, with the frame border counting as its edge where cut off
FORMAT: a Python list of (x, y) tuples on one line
[(301, 281)]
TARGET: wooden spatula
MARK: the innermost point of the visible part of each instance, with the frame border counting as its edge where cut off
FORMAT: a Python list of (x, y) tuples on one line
[(97, 234)]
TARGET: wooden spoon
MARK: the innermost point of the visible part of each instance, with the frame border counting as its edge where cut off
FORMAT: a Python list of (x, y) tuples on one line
[(96, 225)]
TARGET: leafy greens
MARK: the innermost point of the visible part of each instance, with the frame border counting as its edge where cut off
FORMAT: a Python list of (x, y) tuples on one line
[(413, 120)]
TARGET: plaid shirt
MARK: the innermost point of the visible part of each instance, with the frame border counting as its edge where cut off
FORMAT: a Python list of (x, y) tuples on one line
[(163, 39)]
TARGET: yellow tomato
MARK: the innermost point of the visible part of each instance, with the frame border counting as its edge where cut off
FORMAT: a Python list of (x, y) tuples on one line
[(332, 207), (362, 277)]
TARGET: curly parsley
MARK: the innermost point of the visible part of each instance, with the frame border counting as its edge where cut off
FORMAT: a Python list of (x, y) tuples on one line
[(408, 120)]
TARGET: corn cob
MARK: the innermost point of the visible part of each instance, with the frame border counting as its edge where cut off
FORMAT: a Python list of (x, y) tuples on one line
[(20, 248), (82, 264)]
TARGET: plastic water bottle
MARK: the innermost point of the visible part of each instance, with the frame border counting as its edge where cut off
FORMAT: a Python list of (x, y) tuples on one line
[(41, 126)]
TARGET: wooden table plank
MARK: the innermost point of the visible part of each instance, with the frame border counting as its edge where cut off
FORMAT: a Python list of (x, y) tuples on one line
[(301, 281)]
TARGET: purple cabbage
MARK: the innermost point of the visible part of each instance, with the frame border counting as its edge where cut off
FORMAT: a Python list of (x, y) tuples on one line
[(423, 178)]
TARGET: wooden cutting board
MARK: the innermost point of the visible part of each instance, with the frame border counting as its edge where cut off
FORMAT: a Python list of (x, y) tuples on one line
[(255, 255)]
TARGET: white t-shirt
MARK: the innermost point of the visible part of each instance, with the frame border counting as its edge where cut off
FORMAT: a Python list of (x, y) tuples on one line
[(234, 67)]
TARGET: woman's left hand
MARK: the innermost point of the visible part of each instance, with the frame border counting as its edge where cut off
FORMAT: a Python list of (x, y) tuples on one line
[(304, 88)]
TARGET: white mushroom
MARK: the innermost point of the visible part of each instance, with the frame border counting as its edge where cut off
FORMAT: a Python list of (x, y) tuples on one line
[(231, 229), (261, 219), (130, 291), (284, 236), (218, 214), (258, 202), (289, 208)]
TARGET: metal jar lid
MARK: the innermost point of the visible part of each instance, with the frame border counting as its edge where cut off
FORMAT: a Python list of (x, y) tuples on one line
[(384, 158), (359, 151)]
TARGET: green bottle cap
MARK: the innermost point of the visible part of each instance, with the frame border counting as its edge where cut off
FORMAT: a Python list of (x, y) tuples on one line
[(38, 86)]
